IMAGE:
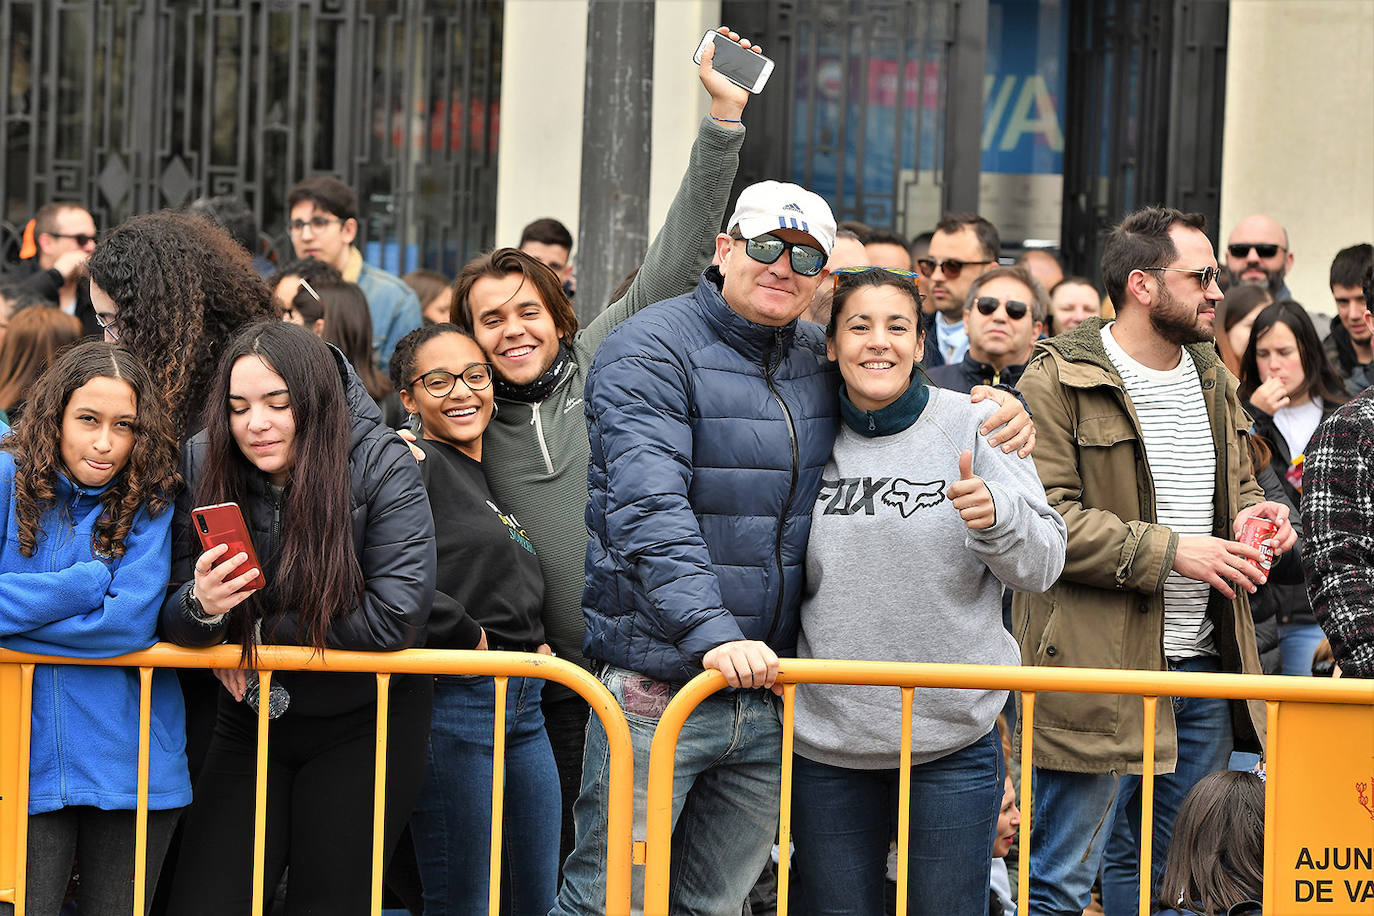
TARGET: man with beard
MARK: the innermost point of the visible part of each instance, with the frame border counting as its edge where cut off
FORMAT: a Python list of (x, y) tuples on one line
[(1257, 254), (1137, 424)]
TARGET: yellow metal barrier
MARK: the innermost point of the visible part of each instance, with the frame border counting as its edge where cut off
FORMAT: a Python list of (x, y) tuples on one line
[(1149, 685), (16, 686)]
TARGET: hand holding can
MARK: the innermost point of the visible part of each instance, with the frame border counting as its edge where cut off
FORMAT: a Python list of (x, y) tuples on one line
[(1257, 533)]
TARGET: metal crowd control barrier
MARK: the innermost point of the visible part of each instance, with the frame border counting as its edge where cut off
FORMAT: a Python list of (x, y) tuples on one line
[(1355, 742), (16, 693)]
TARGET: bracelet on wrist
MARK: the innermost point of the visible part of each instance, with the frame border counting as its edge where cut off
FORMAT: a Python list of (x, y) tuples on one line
[(727, 120), (194, 609)]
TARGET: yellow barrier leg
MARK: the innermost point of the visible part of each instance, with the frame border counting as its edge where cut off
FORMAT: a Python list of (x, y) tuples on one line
[(21, 840), (379, 791), (789, 696), (904, 803), (1147, 804), (1027, 770), (260, 795), (1271, 804), (498, 793), (145, 724)]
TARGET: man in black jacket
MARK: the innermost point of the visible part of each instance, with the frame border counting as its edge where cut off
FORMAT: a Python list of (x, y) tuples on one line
[(63, 237), (1004, 316), (1348, 346)]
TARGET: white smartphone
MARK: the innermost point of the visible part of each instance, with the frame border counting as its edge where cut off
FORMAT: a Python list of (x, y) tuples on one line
[(747, 69)]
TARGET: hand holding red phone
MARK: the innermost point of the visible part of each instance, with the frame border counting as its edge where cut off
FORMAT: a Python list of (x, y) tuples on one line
[(217, 589)]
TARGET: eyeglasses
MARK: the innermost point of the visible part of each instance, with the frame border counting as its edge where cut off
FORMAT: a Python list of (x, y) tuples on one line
[(845, 272), (81, 238), (806, 260), (108, 323), (1206, 276), (1016, 309), (951, 267), (1264, 251), (439, 383), (316, 223)]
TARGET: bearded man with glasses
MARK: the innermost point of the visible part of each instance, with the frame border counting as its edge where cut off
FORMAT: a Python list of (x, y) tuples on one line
[(1257, 254), (1139, 450)]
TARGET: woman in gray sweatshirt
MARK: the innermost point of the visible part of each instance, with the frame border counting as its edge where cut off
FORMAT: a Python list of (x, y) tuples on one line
[(918, 526)]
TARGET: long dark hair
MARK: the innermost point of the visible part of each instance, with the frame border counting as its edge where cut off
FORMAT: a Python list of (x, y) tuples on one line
[(1216, 855), (348, 326), (150, 478), (1319, 379), (183, 287), (318, 575)]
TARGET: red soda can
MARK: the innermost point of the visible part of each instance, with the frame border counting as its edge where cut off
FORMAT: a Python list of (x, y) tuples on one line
[(1254, 533)]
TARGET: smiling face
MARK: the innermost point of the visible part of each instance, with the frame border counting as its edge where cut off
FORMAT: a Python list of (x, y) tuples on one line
[(1008, 822), (460, 416), (260, 417), (513, 324), (1277, 355), (98, 430), (999, 339), (768, 294), (876, 344)]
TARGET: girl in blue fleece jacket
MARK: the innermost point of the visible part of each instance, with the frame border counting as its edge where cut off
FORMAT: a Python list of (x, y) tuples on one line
[(85, 478)]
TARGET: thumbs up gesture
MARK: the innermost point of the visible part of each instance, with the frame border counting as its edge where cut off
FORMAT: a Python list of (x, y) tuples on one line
[(971, 497)]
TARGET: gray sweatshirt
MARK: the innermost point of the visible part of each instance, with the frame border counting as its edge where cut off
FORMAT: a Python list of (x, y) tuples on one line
[(893, 574)]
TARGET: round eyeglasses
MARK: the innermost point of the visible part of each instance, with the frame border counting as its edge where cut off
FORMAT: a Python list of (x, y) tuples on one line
[(439, 383)]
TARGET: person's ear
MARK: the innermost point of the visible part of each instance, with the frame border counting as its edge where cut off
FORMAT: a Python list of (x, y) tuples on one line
[(1138, 286), (318, 327), (408, 402), (348, 229), (724, 244), (830, 353)]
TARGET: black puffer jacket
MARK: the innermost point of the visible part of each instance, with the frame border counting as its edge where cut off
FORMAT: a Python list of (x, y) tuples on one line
[(393, 533)]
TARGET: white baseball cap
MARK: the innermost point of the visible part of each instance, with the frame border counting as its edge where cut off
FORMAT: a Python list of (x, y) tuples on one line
[(772, 205)]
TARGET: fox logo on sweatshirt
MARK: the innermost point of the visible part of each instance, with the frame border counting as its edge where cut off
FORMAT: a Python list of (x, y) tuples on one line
[(864, 495)]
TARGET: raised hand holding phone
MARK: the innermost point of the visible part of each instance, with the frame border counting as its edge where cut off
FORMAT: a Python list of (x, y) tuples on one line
[(728, 97)]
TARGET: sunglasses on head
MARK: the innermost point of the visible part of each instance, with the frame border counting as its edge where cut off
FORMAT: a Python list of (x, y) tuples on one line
[(807, 260), (952, 268), (840, 273), (1243, 249), (1016, 309)]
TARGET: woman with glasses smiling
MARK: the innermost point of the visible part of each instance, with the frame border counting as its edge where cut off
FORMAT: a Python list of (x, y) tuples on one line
[(489, 595)]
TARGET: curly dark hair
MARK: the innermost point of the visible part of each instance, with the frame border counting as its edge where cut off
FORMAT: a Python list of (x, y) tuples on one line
[(149, 479), (183, 287)]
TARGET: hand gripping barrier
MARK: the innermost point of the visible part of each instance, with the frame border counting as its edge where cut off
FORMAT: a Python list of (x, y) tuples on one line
[(16, 686), (1356, 738)]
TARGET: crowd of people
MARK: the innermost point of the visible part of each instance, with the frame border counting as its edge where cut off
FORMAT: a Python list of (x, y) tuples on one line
[(795, 437)]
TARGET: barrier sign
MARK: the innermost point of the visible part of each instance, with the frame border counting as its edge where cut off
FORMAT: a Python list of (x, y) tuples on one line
[(1321, 818)]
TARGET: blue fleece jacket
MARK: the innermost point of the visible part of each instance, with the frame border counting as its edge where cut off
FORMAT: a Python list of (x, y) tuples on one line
[(65, 600)]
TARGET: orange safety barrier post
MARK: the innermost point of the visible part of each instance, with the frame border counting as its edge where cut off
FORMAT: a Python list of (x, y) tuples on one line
[(16, 678), (1319, 708)]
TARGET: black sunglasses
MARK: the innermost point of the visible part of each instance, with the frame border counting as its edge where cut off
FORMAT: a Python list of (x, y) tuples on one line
[(1206, 276), (1243, 249), (1016, 309), (81, 238), (807, 260), (951, 267)]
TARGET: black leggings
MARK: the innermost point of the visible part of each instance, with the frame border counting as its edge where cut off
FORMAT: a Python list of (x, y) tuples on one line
[(319, 806), (102, 843)]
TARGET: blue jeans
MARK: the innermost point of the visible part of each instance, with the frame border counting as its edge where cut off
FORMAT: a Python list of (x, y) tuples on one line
[(1297, 644), (451, 825), (726, 783), (1086, 820), (844, 820)]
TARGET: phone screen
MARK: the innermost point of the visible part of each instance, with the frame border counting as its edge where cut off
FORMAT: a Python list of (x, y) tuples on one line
[(736, 64)]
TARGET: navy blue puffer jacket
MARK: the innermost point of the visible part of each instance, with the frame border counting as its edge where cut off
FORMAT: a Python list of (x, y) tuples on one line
[(708, 434)]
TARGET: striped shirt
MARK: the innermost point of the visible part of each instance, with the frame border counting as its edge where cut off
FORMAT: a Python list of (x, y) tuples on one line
[(1182, 459)]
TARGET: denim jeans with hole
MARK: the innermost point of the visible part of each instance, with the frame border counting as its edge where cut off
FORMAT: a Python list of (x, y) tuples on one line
[(844, 819), (451, 824), (1087, 821), (726, 782)]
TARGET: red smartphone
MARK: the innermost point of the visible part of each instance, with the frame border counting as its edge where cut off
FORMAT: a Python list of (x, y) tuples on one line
[(223, 524)]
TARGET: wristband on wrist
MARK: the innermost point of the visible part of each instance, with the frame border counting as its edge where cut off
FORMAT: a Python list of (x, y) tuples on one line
[(194, 609), (726, 120)]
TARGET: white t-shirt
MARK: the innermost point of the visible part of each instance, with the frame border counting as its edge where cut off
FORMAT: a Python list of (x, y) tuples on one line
[(1182, 459), (1297, 424)]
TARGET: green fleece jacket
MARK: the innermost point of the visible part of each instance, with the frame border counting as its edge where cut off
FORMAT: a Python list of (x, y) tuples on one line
[(535, 455)]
